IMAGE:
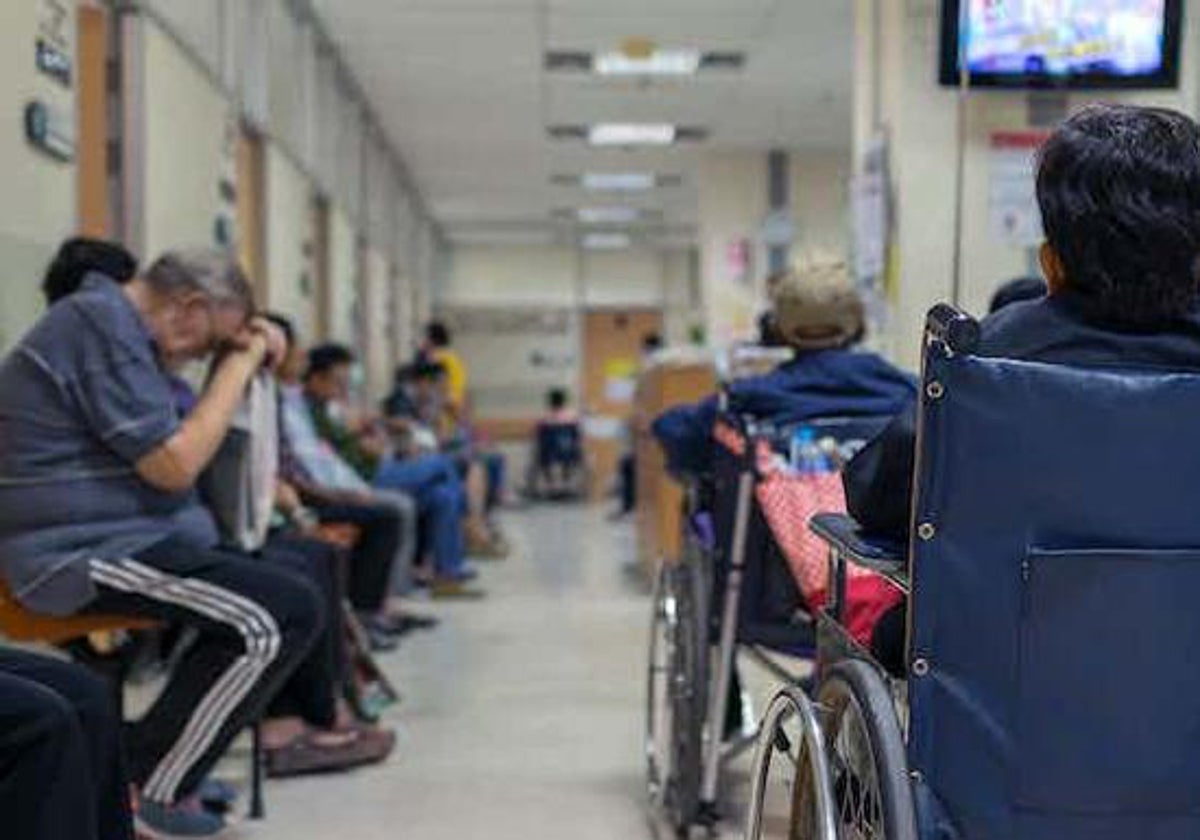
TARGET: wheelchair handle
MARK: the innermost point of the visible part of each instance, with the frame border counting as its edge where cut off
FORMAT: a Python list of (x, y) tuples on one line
[(954, 328)]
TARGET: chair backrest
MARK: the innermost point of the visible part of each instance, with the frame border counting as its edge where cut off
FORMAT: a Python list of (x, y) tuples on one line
[(1056, 598)]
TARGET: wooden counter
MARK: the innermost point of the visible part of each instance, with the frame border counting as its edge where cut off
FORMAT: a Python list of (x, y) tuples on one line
[(659, 498)]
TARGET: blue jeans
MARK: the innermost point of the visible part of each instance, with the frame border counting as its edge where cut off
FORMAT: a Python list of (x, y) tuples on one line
[(441, 502)]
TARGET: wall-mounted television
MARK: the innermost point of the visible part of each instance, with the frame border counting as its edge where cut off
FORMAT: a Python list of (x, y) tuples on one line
[(1098, 44)]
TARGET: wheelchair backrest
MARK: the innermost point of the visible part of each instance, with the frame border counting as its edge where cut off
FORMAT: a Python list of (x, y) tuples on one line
[(559, 443), (1056, 599)]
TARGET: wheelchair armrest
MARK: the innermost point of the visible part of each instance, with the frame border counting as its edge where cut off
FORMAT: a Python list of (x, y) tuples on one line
[(879, 554)]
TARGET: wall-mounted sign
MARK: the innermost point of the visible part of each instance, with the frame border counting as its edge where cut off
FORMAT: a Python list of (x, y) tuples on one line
[(1012, 192), (55, 19), (51, 129), (54, 62), (779, 228)]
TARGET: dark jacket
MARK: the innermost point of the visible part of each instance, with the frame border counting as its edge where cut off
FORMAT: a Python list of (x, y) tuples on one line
[(1051, 330), (829, 383)]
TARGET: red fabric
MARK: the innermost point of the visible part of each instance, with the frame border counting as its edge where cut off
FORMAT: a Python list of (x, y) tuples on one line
[(788, 501)]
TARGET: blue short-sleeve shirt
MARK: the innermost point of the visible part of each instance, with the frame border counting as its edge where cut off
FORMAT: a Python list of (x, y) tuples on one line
[(82, 399)]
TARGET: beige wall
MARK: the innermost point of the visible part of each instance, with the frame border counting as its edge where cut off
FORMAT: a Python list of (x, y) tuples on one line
[(921, 120), (290, 284), (378, 361), (343, 278), (184, 145), (513, 274), (819, 194), (37, 204), (732, 189)]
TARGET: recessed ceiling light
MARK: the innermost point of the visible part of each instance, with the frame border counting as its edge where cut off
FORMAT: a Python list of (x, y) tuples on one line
[(608, 215), (631, 134), (617, 181), (660, 62), (606, 241)]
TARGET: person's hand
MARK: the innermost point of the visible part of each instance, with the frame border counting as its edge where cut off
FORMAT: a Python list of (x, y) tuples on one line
[(263, 338)]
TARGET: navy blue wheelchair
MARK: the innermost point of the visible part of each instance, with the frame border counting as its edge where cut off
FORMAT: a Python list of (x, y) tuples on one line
[(1053, 574), (558, 469), (730, 591)]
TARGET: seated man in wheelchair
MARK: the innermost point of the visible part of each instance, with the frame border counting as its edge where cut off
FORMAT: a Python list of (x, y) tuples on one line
[(1119, 191), (815, 311)]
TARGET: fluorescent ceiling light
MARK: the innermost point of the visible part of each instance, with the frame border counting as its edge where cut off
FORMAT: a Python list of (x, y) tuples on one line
[(631, 134), (608, 215), (618, 181), (607, 241), (669, 62)]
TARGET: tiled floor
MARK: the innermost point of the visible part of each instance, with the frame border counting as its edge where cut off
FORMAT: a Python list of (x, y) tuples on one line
[(522, 714)]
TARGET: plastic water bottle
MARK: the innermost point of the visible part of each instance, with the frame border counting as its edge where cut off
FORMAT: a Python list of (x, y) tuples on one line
[(807, 454)]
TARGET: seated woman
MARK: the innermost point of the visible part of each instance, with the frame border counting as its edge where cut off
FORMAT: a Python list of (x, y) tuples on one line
[(1119, 190), (816, 311)]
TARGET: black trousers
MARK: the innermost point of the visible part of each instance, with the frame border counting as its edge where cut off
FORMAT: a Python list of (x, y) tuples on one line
[(375, 554), (312, 690), (256, 624), (62, 774)]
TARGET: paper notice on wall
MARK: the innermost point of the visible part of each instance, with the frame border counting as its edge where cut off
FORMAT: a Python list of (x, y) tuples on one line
[(603, 427), (1012, 192), (619, 390)]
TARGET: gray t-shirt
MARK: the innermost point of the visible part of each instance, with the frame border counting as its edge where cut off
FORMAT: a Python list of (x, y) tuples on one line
[(82, 399)]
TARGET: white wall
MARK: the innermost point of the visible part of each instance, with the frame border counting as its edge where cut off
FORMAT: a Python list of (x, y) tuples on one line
[(622, 278), (288, 234), (37, 205), (185, 147)]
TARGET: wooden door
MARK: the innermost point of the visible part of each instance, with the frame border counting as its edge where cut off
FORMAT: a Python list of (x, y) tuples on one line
[(612, 351), (91, 69)]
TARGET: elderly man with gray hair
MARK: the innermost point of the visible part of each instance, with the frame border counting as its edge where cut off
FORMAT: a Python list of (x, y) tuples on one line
[(94, 466)]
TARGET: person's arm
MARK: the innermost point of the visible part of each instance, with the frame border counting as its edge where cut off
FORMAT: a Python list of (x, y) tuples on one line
[(175, 464), (685, 434), (879, 478)]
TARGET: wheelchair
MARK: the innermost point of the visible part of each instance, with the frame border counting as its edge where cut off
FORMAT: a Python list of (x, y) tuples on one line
[(558, 469), (730, 591), (1052, 575)]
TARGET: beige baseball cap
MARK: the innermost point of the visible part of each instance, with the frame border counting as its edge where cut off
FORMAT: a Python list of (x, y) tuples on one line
[(815, 304)]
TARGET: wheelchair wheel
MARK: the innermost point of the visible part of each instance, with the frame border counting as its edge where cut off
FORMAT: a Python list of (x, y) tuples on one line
[(869, 773), (792, 731), (676, 695)]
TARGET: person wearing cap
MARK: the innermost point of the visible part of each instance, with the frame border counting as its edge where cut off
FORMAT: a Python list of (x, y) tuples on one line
[(816, 311)]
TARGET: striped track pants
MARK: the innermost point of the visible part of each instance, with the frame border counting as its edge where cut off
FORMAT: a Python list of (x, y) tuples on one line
[(255, 624)]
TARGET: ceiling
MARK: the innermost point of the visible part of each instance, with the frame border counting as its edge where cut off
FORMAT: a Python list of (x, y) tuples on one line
[(460, 87)]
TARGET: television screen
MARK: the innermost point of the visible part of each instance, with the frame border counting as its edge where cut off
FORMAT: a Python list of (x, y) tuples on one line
[(1062, 43)]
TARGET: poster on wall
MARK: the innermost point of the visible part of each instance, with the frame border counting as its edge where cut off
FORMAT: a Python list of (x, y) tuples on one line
[(1012, 190)]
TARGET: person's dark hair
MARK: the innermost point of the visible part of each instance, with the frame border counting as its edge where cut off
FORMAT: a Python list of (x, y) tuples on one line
[(1119, 191), (651, 342), (326, 357), (78, 257), (1017, 290), (556, 398), (438, 334), (285, 325)]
